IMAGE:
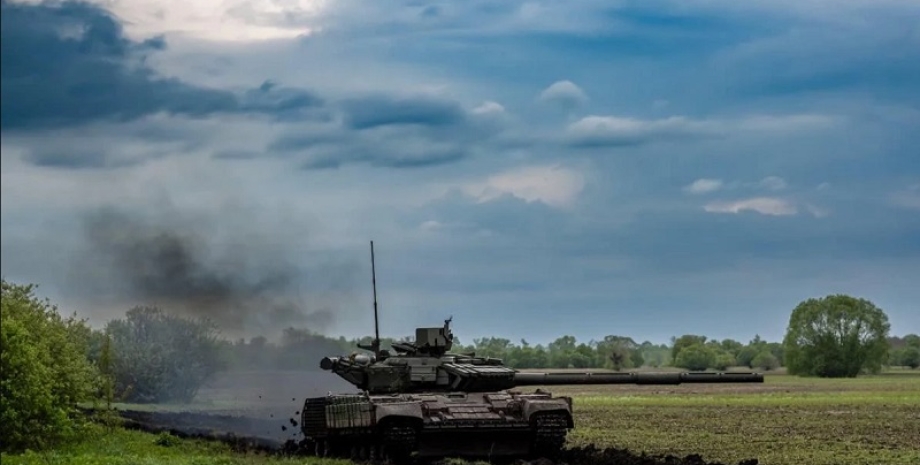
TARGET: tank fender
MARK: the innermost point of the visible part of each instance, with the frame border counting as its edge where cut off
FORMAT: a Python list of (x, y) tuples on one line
[(399, 410), (559, 404)]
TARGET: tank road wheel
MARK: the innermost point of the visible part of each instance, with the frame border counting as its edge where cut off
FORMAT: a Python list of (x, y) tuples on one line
[(399, 440), (320, 448), (549, 434), (360, 452)]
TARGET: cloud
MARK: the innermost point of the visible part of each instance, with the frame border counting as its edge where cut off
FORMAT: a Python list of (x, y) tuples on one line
[(376, 111), (612, 131), (555, 186), (702, 186), (565, 94), (774, 183), (907, 198), (70, 64), (218, 20), (508, 203), (763, 205), (395, 131), (622, 131), (705, 185), (489, 108)]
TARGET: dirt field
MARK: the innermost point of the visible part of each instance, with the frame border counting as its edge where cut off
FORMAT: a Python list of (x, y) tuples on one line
[(787, 420)]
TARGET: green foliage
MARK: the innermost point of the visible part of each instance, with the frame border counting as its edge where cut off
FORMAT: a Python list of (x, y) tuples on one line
[(765, 360), (128, 447), (746, 356), (44, 371), (912, 340), (836, 336), (723, 361), (907, 356), (159, 357), (166, 440), (637, 359), (695, 357), (686, 340)]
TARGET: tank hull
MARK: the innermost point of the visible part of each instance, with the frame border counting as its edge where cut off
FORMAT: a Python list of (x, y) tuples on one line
[(459, 424)]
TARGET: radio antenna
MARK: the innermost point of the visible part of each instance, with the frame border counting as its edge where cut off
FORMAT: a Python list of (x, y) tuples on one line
[(376, 319)]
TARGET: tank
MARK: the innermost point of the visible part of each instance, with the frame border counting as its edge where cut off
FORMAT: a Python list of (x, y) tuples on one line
[(421, 399)]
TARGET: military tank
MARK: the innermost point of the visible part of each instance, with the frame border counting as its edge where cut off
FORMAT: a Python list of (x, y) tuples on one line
[(421, 399)]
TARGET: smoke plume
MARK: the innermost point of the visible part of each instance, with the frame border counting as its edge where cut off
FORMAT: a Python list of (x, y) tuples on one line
[(243, 282)]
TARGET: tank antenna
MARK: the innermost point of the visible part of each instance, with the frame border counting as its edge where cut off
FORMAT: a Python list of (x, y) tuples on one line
[(376, 320)]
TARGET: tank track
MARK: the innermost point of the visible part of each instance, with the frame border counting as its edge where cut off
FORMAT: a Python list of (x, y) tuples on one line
[(550, 430), (399, 441)]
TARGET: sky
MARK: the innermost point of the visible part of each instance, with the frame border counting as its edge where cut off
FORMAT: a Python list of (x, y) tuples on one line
[(531, 168)]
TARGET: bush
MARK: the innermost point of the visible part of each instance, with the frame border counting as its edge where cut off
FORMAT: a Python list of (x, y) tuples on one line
[(766, 360), (157, 357), (723, 361), (44, 371), (695, 357), (906, 356)]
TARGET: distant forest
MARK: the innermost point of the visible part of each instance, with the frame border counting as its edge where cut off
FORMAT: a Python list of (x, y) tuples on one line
[(302, 349)]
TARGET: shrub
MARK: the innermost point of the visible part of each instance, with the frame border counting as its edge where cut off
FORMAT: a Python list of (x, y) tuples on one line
[(766, 360), (157, 357), (695, 357), (43, 371)]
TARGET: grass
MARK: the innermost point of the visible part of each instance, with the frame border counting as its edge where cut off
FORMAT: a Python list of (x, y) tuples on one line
[(124, 447), (785, 421)]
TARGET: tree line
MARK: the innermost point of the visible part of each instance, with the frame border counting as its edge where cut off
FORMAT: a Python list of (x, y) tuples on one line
[(50, 363)]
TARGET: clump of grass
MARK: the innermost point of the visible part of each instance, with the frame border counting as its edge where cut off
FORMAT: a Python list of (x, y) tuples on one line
[(127, 447), (166, 440)]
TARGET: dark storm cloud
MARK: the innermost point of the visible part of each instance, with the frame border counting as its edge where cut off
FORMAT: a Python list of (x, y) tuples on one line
[(375, 111), (69, 63), (392, 150), (392, 132)]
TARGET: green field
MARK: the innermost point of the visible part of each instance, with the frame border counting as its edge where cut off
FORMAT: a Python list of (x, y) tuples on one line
[(123, 447), (786, 420)]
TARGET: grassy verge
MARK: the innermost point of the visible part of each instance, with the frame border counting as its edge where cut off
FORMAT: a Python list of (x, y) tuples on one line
[(785, 421), (124, 447)]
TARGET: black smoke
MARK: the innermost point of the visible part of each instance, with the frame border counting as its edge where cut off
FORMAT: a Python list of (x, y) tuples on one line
[(243, 280)]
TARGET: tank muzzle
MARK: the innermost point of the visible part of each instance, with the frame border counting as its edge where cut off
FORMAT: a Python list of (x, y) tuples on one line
[(328, 362)]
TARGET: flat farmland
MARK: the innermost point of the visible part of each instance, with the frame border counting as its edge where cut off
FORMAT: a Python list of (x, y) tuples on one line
[(784, 421)]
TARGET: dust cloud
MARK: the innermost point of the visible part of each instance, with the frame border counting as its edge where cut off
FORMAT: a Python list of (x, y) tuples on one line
[(240, 276)]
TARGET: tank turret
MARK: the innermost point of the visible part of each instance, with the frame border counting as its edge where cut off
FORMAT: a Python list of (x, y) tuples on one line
[(417, 398)]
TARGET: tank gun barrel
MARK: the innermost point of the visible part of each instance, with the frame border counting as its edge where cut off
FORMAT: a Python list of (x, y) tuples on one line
[(557, 378)]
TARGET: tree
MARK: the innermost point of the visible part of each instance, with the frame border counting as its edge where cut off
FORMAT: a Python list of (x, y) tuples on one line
[(731, 346), (695, 357), (637, 359), (723, 360), (158, 357), (685, 341), (836, 336), (912, 340), (911, 357), (765, 360), (746, 356), (618, 352), (907, 356), (44, 372)]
